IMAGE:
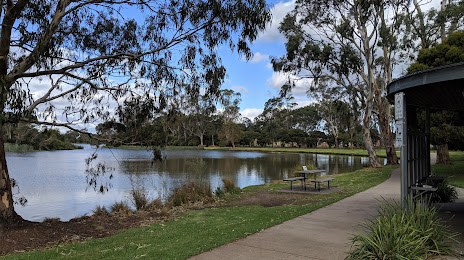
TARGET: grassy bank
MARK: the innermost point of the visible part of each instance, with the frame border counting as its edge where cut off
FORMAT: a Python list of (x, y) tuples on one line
[(168, 148), (341, 151), (200, 230), (58, 145), (454, 172)]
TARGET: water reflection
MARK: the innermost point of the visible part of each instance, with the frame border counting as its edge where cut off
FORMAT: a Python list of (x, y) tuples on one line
[(55, 185)]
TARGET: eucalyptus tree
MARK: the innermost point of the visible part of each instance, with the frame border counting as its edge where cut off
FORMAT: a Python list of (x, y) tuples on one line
[(271, 120), (424, 28), (94, 53), (336, 114), (230, 101), (347, 47), (201, 109), (306, 118)]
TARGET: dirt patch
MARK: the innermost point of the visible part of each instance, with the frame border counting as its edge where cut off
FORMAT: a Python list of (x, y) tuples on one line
[(27, 236)]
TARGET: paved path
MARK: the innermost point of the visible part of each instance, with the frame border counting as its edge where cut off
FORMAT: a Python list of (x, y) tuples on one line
[(322, 234)]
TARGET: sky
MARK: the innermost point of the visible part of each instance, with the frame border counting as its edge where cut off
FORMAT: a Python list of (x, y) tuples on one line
[(255, 79)]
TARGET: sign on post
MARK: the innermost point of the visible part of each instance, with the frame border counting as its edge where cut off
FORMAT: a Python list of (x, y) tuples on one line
[(399, 97), (399, 133)]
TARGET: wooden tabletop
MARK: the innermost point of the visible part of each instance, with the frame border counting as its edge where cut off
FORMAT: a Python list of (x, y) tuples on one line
[(310, 171)]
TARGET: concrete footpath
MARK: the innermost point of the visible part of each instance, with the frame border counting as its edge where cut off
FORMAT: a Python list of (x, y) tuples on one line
[(322, 234)]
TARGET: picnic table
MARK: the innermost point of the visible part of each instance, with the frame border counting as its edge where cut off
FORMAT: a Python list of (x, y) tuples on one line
[(307, 173)]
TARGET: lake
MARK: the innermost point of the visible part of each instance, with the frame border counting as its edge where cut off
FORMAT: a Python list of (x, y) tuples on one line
[(55, 184)]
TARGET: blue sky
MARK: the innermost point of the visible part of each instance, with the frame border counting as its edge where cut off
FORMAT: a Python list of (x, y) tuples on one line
[(255, 79)]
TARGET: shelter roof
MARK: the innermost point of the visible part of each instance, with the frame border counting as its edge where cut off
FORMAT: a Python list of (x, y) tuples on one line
[(439, 87)]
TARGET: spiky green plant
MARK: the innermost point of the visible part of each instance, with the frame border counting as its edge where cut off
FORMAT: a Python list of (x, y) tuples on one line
[(413, 232)]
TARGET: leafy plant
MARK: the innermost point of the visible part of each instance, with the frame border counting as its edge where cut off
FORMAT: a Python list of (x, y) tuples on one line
[(396, 233), (444, 193)]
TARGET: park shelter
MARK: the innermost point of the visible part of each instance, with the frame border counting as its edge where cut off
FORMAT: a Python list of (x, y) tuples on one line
[(414, 95)]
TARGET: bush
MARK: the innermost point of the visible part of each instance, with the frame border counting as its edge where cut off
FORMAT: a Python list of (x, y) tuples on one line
[(444, 193), (121, 207), (139, 198), (18, 148), (155, 204), (230, 187), (190, 193), (100, 211), (219, 192), (400, 234)]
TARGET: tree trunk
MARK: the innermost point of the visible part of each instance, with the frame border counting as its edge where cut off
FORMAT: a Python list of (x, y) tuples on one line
[(201, 140), (443, 154), (387, 137), (373, 162), (442, 24), (212, 139), (7, 212)]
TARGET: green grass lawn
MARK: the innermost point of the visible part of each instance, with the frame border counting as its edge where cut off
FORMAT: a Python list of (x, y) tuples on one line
[(454, 171), (341, 151), (200, 230)]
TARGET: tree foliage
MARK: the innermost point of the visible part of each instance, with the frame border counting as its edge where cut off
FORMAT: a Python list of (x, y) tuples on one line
[(448, 52), (73, 61), (347, 49)]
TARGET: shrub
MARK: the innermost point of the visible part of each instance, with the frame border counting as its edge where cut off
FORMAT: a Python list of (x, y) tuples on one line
[(155, 204), (190, 193), (400, 234), (120, 207), (139, 198), (100, 211), (230, 187), (444, 193), (219, 192)]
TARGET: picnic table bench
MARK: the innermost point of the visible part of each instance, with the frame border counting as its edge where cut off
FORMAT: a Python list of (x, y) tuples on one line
[(291, 180), (318, 183)]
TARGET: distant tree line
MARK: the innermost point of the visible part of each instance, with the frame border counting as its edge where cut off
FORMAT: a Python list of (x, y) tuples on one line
[(40, 138), (195, 121)]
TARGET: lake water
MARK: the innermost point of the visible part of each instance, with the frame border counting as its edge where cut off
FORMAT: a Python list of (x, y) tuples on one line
[(55, 185)]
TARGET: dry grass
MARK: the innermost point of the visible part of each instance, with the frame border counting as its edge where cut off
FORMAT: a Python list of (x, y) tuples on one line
[(100, 211), (120, 207), (230, 187), (191, 193)]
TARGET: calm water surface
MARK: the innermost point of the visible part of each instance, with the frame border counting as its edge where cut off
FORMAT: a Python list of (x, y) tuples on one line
[(55, 185)]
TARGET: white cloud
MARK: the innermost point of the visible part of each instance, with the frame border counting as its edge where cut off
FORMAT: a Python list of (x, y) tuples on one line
[(251, 113), (258, 57), (269, 65), (240, 89), (278, 13), (278, 79)]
